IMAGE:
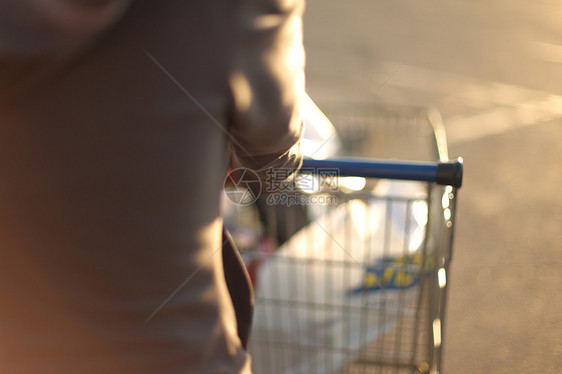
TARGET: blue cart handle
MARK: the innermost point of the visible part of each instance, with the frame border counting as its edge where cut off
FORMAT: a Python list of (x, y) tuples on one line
[(444, 173)]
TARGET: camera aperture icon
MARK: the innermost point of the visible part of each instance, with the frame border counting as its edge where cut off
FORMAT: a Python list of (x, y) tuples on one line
[(242, 186)]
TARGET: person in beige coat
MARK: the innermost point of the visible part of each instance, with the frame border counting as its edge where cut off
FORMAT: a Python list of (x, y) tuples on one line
[(116, 120)]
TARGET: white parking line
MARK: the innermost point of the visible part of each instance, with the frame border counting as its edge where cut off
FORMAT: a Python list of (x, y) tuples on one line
[(547, 51), (462, 87), (491, 107), (469, 128)]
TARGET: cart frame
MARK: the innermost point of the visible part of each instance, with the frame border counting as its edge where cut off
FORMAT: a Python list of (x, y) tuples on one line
[(442, 179)]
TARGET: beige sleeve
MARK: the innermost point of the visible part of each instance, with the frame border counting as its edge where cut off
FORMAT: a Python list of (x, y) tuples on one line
[(268, 84), (38, 34)]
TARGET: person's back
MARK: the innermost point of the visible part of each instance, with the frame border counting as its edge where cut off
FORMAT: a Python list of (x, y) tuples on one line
[(112, 161)]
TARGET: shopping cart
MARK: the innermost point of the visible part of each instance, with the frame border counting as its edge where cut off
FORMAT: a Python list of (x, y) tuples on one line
[(361, 286)]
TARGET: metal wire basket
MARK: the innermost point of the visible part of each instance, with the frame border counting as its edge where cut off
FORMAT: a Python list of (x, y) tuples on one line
[(359, 284)]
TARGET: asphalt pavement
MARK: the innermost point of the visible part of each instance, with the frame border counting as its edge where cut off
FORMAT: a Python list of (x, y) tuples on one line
[(493, 70)]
